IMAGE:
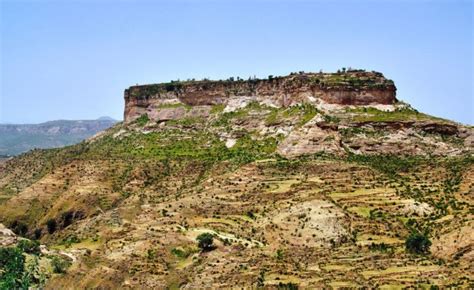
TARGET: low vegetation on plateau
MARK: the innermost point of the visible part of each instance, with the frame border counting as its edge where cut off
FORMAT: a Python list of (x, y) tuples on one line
[(257, 196)]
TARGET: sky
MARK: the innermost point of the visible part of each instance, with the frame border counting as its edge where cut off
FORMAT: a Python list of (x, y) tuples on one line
[(73, 59)]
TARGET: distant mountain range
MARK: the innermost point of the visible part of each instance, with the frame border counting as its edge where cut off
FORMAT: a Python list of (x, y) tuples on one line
[(19, 138)]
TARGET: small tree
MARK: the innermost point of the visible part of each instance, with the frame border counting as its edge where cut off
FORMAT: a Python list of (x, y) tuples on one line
[(205, 241), (37, 233), (12, 265), (51, 224), (417, 243)]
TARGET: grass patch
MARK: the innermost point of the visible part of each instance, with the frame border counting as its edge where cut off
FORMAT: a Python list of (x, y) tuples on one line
[(361, 211), (368, 114), (142, 120), (219, 108)]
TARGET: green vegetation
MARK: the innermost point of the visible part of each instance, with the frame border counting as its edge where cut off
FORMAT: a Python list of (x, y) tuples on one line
[(355, 79), (369, 114), (205, 241), (142, 120), (391, 165), (288, 286), (247, 150), (51, 225), (353, 131), (381, 247), (349, 80), (304, 112), (28, 246), (331, 119), (183, 252), (316, 218), (225, 118), (186, 122), (12, 266), (308, 112), (217, 108), (279, 254), (18, 272), (59, 264), (19, 227), (174, 105), (417, 243)]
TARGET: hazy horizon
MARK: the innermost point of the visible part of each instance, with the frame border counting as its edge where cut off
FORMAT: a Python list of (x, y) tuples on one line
[(93, 119), (73, 60)]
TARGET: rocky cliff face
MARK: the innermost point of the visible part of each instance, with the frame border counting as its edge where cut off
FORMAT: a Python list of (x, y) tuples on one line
[(347, 88)]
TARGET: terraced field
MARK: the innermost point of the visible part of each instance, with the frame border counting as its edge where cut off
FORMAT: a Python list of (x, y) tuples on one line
[(127, 209)]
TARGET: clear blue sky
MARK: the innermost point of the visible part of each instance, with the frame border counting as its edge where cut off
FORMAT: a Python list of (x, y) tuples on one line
[(73, 59)]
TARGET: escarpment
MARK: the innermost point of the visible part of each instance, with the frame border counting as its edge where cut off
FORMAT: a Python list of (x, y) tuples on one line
[(350, 112), (354, 87)]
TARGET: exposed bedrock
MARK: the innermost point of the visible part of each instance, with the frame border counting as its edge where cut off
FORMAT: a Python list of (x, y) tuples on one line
[(347, 88)]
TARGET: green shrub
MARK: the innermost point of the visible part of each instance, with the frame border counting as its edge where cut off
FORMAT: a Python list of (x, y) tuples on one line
[(280, 254), (59, 264), (289, 285), (12, 266), (205, 241), (142, 120), (52, 225), (382, 247), (30, 247), (417, 243), (251, 215), (19, 228), (37, 233), (391, 165), (70, 239), (183, 252)]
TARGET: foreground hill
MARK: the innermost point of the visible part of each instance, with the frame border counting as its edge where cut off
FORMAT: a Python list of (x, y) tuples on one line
[(296, 189), (16, 138)]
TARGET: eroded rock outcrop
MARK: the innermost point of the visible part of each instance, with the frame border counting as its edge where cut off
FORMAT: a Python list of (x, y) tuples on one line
[(354, 87)]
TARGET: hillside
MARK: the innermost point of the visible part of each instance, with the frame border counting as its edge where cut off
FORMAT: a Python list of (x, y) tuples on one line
[(329, 183), (19, 138)]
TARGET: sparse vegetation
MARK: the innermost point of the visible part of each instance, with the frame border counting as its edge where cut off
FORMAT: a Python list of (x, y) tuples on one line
[(59, 264), (142, 120), (28, 246), (281, 202)]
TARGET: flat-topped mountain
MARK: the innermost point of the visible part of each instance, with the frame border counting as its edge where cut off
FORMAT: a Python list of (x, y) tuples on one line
[(335, 104), (353, 87), (309, 180)]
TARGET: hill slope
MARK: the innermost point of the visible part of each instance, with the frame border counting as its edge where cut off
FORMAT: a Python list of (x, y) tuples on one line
[(311, 194)]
